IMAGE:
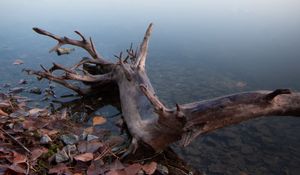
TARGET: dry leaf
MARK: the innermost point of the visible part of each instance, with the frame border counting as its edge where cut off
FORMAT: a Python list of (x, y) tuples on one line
[(150, 168), (19, 158), (37, 152), (89, 130), (98, 120), (17, 168), (29, 125), (58, 169), (116, 165), (35, 112), (84, 157), (2, 113), (4, 105), (90, 147), (133, 169), (117, 172), (18, 62), (96, 168)]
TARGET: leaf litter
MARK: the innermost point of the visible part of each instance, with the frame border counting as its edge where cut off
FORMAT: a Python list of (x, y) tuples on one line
[(38, 141)]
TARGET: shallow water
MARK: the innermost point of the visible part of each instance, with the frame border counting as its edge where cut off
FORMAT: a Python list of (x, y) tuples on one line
[(199, 50)]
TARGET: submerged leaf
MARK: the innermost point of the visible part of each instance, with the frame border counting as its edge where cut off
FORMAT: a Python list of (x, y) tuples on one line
[(98, 120), (90, 147)]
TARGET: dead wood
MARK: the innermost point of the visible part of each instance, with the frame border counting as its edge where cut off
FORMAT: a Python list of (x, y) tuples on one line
[(147, 118)]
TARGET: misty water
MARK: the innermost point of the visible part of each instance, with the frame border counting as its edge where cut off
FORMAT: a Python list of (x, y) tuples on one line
[(198, 50)]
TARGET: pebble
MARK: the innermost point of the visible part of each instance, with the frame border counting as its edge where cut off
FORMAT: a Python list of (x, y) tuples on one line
[(61, 156), (45, 139), (35, 90), (16, 90), (69, 139), (91, 137)]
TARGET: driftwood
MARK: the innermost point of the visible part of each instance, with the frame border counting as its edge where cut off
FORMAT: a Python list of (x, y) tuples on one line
[(148, 120)]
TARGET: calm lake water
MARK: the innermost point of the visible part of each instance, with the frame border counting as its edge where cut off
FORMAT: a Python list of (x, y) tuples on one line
[(199, 50)]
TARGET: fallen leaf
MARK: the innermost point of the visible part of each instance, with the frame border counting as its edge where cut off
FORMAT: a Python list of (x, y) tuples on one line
[(29, 125), (18, 62), (96, 168), (98, 120), (133, 169), (117, 172), (35, 112), (89, 130), (17, 168), (58, 169), (37, 152), (47, 131), (4, 105), (2, 113), (150, 168), (116, 165), (18, 158), (90, 147), (85, 157)]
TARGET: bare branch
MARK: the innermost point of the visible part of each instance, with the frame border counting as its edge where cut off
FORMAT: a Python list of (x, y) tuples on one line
[(140, 63), (17, 141), (158, 106), (59, 80), (87, 45), (103, 78), (207, 116)]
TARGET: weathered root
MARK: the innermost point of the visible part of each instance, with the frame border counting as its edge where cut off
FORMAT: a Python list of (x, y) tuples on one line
[(150, 121)]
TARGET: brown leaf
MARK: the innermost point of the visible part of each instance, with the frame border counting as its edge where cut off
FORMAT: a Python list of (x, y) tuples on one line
[(2, 113), (18, 62), (133, 169), (85, 157), (48, 132), (116, 165), (17, 168), (58, 169), (90, 147), (29, 125), (89, 130), (150, 168), (98, 120), (35, 112), (4, 104), (37, 152), (96, 168), (18, 158), (118, 172)]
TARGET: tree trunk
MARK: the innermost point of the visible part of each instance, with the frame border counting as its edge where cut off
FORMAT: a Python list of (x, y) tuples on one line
[(148, 120)]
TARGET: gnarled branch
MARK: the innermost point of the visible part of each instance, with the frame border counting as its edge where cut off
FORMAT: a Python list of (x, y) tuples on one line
[(141, 59), (84, 43), (207, 116)]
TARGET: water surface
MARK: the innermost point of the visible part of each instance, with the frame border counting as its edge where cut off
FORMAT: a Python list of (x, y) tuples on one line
[(199, 50)]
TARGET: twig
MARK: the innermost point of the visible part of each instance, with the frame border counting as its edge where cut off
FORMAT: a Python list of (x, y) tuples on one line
[(28, 166), (14, 139)]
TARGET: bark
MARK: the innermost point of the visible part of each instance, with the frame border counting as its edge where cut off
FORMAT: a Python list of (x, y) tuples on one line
[(147, 118)]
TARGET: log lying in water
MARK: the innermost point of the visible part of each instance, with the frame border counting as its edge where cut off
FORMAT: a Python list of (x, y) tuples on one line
[(147, 118)]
